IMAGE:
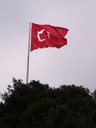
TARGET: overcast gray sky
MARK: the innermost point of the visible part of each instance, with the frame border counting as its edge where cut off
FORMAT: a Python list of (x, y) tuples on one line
[(74, 63)]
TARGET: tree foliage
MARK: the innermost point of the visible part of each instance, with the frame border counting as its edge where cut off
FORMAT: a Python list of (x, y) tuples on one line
[(37, 105)]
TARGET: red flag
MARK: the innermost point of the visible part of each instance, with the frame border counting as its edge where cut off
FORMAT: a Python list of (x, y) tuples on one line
[(44, 36)]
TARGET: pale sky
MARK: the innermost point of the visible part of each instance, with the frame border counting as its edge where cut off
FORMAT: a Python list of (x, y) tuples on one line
[(74, 63)]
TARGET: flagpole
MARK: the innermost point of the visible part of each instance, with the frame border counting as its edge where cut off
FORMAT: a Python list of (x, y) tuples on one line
[(28, 56)]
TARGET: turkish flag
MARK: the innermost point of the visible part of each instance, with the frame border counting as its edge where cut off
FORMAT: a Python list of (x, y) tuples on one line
[(44, 36)]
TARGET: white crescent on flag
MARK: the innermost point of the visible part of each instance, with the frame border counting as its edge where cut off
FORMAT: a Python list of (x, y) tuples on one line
[(38, 35), (41, 32)]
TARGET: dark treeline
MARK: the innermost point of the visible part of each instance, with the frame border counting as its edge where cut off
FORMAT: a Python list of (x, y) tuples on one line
[(37, 105)]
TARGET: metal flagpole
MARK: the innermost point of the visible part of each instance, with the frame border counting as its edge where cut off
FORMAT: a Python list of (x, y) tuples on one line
[(29, 40)]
